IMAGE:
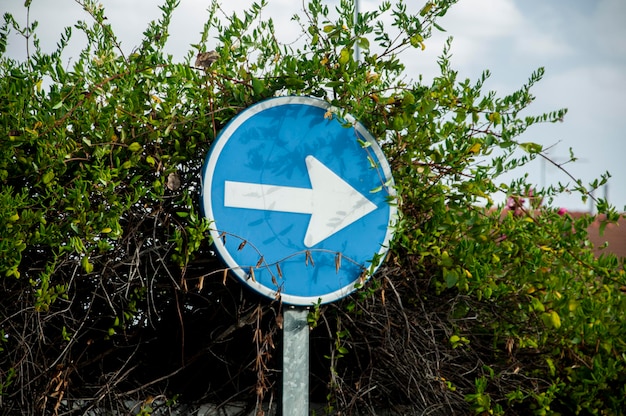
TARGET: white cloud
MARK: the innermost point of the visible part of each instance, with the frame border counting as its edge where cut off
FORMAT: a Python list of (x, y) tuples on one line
[(485, 19), (484, 32), (538, 44), (594, 93)]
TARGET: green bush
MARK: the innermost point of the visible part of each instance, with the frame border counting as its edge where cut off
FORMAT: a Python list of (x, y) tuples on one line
[(111, 292)]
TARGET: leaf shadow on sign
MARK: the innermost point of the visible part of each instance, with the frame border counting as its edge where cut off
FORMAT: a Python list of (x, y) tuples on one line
[(279, 234)]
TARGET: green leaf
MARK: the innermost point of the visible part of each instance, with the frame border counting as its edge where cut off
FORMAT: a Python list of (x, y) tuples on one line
[(87, 265), (438, 27), (495, 118), (551, 319), (427, 7), (134, 147), (64, 334), (408, 98), (551, 366), (537, 305), (47, 177), (258, 86), (451, 278), (531, 148), (344, 56)]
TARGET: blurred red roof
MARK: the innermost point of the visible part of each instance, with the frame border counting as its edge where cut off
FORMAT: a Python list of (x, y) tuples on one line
[(614, 234)]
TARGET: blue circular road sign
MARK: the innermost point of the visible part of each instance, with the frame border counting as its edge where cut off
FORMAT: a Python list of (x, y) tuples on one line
[(301, 201)]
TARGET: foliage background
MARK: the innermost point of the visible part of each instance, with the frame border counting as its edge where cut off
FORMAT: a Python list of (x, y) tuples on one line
[(110, 291)]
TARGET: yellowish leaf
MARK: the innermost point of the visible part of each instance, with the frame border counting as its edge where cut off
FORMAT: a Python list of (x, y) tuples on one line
[(556, 319), (475, 148)]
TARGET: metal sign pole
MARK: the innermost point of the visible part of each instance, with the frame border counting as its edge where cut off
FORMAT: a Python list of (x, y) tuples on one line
[(295, 361)]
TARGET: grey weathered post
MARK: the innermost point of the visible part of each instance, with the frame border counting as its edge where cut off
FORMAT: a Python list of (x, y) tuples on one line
[(295, 361)]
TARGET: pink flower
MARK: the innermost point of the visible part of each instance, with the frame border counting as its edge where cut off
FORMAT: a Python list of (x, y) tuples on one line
[(562, 211), (514, 202)]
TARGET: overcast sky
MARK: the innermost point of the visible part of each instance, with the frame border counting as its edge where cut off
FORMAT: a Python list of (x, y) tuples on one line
[(581, 44)]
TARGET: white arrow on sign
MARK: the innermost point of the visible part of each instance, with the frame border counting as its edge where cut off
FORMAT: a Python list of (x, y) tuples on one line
[(332, 203)]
